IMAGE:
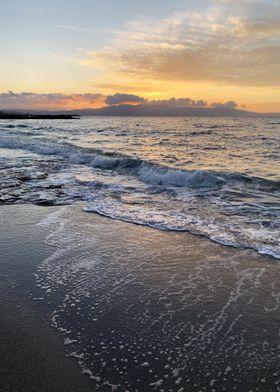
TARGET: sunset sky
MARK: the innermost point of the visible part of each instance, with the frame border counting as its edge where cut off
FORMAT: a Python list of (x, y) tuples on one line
[(74, 54)]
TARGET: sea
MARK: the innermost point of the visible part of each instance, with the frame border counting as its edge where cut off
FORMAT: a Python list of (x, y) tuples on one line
[(215, 177), (163, 238)]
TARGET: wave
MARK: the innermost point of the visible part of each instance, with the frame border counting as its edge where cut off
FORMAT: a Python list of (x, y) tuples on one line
[(146, 171), (164, 176), (227, 207), (200, 133), (161, 175), (229, 233), (11, 126)]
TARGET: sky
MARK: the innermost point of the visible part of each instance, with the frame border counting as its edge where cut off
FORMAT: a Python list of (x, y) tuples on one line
[(88, 53)]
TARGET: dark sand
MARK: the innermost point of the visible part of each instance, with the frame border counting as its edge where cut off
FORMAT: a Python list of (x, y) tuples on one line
[(32, 355), (150, 310)]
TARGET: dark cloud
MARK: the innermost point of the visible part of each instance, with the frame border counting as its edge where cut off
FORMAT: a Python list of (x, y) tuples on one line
[(118, 99), (28, 96)]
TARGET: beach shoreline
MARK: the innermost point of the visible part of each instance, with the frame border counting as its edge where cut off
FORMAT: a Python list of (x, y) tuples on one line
[(171, 309)]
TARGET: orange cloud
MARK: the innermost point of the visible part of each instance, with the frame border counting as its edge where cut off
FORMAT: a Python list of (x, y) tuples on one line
[(57, 101), (219, 53), (52, 101)]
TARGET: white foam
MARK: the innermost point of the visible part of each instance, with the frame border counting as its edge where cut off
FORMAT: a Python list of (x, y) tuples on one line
[(68, 341)]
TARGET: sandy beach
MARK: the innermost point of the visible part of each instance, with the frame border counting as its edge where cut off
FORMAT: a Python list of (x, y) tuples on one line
[(32, 353), (134, 308)]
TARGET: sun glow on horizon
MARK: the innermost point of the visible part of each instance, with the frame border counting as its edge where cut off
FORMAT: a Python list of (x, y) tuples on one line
[(216, 51)]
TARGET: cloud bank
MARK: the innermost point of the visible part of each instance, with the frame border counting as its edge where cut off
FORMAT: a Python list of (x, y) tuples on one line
[(51, 101), (118, 98), (55, 101), (231, 43)]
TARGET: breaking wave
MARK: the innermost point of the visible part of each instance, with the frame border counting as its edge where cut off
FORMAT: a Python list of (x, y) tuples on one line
[(148, 172), (230, 208)]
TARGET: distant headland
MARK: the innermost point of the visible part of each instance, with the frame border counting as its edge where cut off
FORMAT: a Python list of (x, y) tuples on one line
[(128, 110), (29, 116)]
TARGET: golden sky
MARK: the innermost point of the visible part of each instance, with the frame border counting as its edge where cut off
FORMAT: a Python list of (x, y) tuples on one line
[(216, 51)]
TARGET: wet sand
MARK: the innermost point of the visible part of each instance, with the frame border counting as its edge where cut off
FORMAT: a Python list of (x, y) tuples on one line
[(140, 309), (32, 353)]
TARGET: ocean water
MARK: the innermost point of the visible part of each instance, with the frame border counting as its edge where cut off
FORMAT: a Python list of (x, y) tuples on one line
[(216, 177), (141, 304)]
